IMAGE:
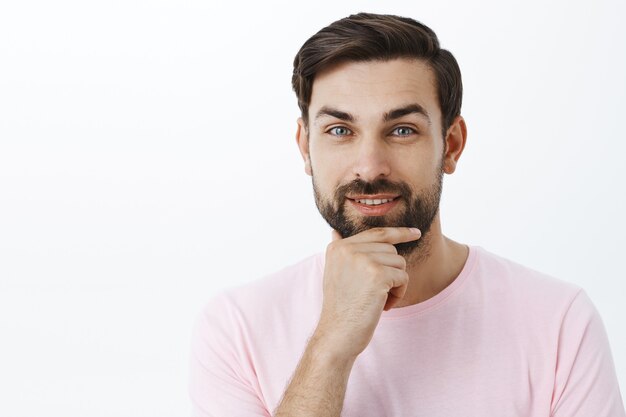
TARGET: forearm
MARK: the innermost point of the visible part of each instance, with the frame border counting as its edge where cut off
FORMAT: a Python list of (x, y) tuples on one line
[(359, 274), (318, 386)]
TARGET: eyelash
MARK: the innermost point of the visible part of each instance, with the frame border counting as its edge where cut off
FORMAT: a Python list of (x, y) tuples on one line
[(413, 131), (329, 131)]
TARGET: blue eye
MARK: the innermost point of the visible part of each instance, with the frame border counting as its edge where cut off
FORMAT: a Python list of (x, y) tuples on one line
[(339, 131), (404, 131)]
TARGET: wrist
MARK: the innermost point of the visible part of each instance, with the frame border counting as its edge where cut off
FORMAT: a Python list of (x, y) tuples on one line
[(326, 350)]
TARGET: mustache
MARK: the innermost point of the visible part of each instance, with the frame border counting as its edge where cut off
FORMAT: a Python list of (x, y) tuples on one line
[(381, 186)]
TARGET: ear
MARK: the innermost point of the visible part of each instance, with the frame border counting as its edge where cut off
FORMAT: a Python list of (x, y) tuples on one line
[(302, 138), (455, 142)]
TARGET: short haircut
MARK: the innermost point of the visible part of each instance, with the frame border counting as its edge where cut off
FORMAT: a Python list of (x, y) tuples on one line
[(374, 37)]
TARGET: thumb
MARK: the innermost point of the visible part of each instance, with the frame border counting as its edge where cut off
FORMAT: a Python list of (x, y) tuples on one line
[(335, 235)]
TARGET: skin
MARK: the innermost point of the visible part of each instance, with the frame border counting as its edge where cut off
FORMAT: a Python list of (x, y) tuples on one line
[(363, 274)]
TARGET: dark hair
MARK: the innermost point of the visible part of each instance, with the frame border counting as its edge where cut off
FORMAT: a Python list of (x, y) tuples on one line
[(369, 37)]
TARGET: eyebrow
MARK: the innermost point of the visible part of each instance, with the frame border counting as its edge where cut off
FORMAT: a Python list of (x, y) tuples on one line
[(403, 111), (387, 116), (338, 114)]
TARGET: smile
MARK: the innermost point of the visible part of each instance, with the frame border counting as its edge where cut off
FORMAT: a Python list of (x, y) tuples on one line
[(374, 205), (375, 202)]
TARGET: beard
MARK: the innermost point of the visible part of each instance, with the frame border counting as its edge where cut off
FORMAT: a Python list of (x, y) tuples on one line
[(419, 209)]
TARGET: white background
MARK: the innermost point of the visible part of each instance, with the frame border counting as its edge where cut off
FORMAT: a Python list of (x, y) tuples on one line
[(147, 160)]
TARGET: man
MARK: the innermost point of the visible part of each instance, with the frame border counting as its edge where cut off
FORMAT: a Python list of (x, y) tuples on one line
[(395, 319)]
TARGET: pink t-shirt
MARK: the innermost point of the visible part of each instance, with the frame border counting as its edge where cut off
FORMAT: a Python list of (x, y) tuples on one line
[(501, 340)]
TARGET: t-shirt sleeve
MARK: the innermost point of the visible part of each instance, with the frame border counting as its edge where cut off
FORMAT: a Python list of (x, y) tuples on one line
[(585, 381), (222, 381)]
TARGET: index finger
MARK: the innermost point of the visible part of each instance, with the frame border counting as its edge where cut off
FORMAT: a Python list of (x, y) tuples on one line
[(388, 235)]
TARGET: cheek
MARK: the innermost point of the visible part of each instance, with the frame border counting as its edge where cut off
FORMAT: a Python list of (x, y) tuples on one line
[(324, 182), (418, 167), (327, 167)]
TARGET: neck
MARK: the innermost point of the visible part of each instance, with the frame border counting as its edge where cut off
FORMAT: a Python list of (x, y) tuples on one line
[(434, 265)]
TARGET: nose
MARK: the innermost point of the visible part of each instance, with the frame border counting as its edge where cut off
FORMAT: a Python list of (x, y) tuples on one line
[(372, 160)]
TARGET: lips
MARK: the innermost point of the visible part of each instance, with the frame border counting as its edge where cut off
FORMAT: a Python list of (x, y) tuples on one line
[(373, 199), (374, 205), (373, 202)]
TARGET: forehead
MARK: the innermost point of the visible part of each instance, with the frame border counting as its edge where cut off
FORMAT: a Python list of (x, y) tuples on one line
[(369, 89)]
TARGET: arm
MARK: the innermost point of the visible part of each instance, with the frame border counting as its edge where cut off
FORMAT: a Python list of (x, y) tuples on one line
[(585, 380), (220, 383), (318, 386), (363, 276)]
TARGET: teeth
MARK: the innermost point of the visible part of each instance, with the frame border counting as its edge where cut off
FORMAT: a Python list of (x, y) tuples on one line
[(374, 202)]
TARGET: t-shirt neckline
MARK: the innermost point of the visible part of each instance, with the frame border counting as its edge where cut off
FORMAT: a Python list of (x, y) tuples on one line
[(437, 299)]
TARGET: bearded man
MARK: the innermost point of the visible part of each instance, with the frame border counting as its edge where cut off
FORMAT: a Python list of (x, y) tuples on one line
[(395, 319)]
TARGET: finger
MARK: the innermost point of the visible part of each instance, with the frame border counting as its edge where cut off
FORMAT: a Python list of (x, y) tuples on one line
[(398, 292), (394, 278), (335, 235), (388, 259), (391, 302), (394, 296), (388, 235), (373, 247)]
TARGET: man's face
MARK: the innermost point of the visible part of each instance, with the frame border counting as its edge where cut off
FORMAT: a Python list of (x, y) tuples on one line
[(374, 146)]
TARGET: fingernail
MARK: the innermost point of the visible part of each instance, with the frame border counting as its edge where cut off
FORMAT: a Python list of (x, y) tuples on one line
[(415, 230)]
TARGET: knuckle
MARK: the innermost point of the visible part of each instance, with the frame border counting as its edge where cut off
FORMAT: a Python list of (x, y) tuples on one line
[(336, 249), (331, 248), (360, 258), (347, 251), (368, 264), (372, 269)]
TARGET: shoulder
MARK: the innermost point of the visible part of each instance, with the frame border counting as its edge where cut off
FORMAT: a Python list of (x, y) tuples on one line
[(272, 315), (546, 311), (298, 284), (526, 287), (507, 273)]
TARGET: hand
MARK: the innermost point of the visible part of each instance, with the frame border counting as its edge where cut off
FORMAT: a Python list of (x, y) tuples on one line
[(363, 276)]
